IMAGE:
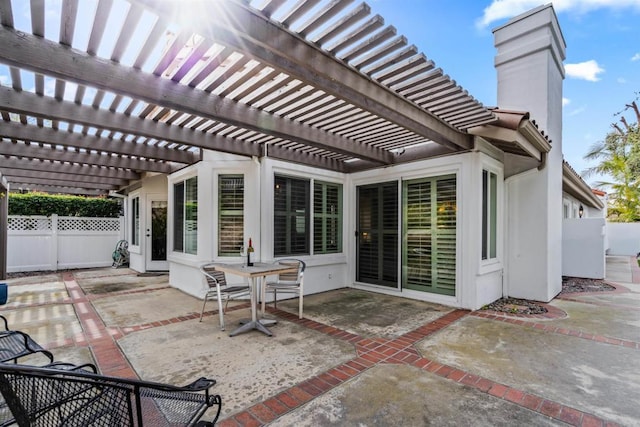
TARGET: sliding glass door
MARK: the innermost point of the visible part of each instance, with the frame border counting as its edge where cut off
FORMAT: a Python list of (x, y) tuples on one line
[(429, 231), (377, 246)]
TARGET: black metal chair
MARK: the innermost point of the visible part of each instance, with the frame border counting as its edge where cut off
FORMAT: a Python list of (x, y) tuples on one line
[(220, 291), (76, 397)]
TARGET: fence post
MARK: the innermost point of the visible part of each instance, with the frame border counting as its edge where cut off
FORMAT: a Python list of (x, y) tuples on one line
[(54, 242), (123, 232)]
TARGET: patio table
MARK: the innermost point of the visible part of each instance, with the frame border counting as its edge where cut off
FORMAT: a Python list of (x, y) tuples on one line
[(257, 270)]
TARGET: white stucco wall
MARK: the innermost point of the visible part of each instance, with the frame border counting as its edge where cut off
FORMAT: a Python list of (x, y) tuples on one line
[(583, 247), (530, 73), (478, 282), (623, 238)]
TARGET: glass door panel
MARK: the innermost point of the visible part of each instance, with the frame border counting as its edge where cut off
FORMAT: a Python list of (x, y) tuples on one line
[(377, 246)]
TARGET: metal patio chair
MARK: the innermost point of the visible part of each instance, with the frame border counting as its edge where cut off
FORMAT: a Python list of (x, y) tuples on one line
[(287, 283), (220, 291)]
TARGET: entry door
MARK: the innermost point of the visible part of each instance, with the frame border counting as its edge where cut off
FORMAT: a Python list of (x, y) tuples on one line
[(377, 246), (156, 234)]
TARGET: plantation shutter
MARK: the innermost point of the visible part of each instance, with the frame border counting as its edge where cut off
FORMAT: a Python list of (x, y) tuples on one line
[(445, 243), (429, 252), (291, 216), (230, 215), (378, 234), (178, 217), (327, 218)]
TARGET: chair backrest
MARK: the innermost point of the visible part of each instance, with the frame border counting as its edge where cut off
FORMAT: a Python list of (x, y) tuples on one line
[(292, 276), (214, 277), (63, 397)]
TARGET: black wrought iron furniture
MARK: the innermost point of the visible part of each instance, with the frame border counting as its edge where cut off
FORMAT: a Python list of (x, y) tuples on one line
[(220, 290), (289, 282), (17, 344), (64, 397)]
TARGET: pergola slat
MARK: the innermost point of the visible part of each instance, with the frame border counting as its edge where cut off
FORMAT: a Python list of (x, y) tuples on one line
[(62, 179), (323, 16), (372, 42), (372, 25), (380, 52), (6, 13), (342, 24), (297, 11), (99, 25), (68, 21), (37, 17), (128, 28), (46, 153), (13, 167)]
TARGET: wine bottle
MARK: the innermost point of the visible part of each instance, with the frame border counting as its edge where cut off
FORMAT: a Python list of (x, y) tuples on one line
[(249, 251)]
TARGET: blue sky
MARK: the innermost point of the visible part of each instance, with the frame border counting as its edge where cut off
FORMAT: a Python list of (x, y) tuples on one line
[(602, 65)]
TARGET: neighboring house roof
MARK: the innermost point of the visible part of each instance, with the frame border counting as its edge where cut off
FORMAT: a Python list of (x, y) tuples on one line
[(573, 184), (329, 87)]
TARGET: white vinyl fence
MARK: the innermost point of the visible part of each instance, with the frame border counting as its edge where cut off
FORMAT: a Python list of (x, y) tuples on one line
[(623, 238), (583, 247), (39, 243)]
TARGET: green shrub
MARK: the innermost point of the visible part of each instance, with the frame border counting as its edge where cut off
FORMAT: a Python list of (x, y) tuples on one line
[(63, 205)]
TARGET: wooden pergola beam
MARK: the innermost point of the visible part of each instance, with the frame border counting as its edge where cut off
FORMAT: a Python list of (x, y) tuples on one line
[(57, 179), (42, 56), (48, 186), (35, 151), (50, 108), (98, 172), (247, 31), (51, 180)]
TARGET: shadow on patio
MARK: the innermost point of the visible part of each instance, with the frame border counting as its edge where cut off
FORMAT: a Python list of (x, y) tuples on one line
[(358, 358)]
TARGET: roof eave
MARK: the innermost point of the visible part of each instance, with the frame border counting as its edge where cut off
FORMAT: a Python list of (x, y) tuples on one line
[(525, 137), (573, 184)]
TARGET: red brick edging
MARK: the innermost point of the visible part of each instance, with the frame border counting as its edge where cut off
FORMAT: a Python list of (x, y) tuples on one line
[(369, 352), (397, 351)]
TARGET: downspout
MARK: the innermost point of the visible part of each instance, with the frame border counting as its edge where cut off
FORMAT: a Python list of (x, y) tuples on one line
[(543, 161)]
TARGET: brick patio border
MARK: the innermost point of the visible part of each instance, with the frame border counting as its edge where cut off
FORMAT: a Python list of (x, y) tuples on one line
[(369, 352)]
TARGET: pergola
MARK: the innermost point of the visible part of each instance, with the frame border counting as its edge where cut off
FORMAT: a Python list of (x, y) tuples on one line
[(144, 86)]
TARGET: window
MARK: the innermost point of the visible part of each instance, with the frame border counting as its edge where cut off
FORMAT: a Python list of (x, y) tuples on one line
[(185, 216), (291, 216), (327, 218), (135, 221), (230, 214), (489, 214), (429, 228)]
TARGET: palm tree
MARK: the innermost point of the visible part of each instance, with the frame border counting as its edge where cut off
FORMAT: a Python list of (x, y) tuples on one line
[(619, 159)]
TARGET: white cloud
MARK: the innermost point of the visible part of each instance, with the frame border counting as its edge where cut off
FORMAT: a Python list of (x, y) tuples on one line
[(636, 57), (578, 111), (587, 70), (501, 9), (566, 101), (621, 80), (4, 80)]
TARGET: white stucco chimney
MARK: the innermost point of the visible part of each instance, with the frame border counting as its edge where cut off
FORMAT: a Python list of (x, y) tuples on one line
[(529, 65)]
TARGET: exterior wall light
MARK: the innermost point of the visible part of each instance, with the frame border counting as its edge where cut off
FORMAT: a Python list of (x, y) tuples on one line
[(580, 211)]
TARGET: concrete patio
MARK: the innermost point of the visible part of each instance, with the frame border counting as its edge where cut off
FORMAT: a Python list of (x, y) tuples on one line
[(358, 358)]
